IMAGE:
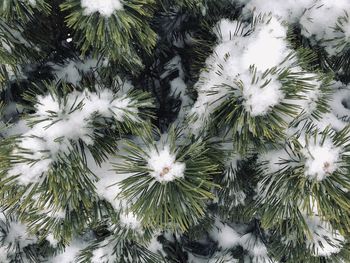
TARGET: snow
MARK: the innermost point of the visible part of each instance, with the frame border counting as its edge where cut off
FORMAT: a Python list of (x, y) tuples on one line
[(321, 160), (225, 235), (325, 241), (130, 220), (258, 100), (3, 255), (236, 59), (269, 38), (53, 241), (71, 71), (17, 234), (98, 255), (163, 165), (253, 245), (339, 115), (107, 185), (319, 21), (69, 253), (178, 87), (59, 124), (155, 246), (310, 96), (317, 18), (104, 7), (104, 252), (330, 119), (289, 10), (274, 160), (228, 238), (340, 103), (222, 257)]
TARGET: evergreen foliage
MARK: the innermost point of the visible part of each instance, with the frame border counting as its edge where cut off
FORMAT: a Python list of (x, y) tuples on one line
[(180, 131)]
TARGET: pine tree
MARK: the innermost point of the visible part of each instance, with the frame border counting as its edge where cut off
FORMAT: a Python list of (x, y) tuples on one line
[(178, 131)]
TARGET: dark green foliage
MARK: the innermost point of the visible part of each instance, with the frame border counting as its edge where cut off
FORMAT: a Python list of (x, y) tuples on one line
[(226, 180)]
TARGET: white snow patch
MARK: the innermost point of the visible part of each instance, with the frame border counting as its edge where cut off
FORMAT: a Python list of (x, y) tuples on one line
[(232, 62), (53, 241), (164, 167), (225, 235), (340, 103), (289, 10), (271, 39), (258, 100), (104, 7), (59, 125), (69, 253), (316, 17), (274, 160), (330, 119), (319, 21), (130, 220), (107, 186), (104, 252), (321, 160), (18, 232), (325, 240), (228, 238), (3, 255), (71, 71), (155, 246), (254, 245)]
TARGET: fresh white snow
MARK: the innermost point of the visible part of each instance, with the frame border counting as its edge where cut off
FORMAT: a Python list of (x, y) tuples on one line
[(321, 160), (60, 124), (163, 165), (324, 241), (104, 7), (234, 57)]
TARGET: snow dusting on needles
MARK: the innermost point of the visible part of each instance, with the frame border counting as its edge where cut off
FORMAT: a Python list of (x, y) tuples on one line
[(321, 160), (107, 186), (130, 220), (32, 2), (104, 7), (60, 123), (267, 47), (257, 99), (274, 160), (70, 252), (325, 240), (164, 167), (17, 232), (229, 237), (319, 21), (317, 18), (290, 10), (263, 49)]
